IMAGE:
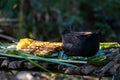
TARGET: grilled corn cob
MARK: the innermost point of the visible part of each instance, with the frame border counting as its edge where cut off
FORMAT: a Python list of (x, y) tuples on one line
[(38, 47)]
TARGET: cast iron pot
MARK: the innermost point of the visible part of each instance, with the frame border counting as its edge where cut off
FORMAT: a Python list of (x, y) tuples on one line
[(84, 44)]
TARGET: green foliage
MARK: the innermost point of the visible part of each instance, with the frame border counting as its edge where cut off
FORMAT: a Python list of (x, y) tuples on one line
[(31, 57), (98, 60), (44, 19), (109, 45), (9, 7)]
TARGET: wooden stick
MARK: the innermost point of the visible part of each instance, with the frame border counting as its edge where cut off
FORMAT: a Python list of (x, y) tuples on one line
[(105, 68), (7, 37), (8, 20), (109, 65), (88, 69), (113, 69)]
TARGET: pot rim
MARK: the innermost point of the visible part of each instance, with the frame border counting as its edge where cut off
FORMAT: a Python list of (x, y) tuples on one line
[(84, 33)]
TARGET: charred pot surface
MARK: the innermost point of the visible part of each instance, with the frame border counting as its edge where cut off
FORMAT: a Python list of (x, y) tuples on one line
[(84, 44)]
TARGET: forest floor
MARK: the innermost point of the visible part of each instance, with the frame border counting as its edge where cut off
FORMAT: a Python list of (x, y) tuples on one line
[(35, 75)]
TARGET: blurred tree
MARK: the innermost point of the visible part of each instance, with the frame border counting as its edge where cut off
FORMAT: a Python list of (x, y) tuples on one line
[(44, 19)]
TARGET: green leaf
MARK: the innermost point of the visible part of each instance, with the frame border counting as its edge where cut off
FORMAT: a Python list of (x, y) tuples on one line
[(97, 60), (36, 64), (109, 45), (39, 58)]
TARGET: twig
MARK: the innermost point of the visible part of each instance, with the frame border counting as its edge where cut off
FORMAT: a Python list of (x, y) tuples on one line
[(109, 65), (113, 69), (88, 69), (7, 37), (117, 58), (105, 68), (8, 20)]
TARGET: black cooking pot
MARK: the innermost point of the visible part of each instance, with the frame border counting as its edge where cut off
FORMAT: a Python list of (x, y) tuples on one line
[(84, 44)]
